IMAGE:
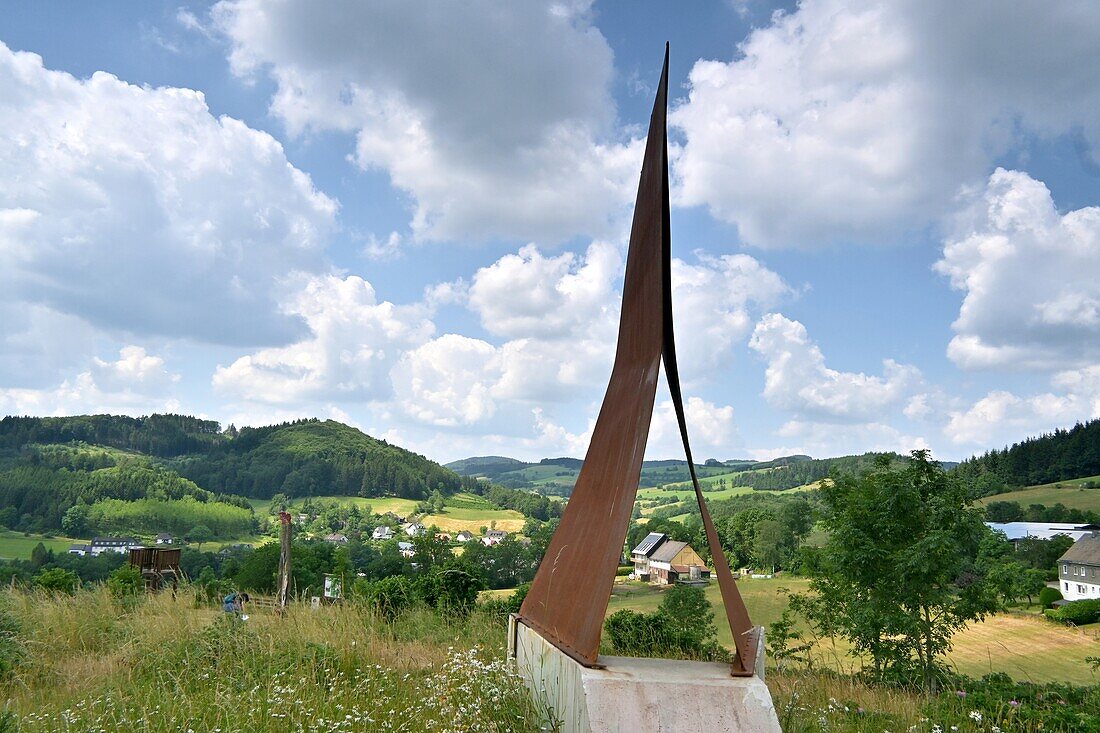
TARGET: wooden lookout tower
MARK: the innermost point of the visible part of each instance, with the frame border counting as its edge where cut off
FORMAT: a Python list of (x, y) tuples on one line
[(159, 566)]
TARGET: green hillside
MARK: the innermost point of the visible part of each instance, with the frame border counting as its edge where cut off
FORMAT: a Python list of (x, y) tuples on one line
[(103, 474)]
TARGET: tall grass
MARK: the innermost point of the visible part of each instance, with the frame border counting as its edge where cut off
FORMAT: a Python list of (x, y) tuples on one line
[(160, 665)]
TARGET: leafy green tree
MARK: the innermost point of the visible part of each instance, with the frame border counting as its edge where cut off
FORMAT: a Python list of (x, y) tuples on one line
[(200, 533), (39, 555), (125, 581), (889, 578), (691, 615), (57, 580), (1032, 583), (75, 521)]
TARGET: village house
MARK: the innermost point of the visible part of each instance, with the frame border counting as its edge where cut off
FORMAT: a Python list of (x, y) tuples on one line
[(493, 537), (337, 538), (164, 539), (121, 545), (80, 548), (660, 559), (406, 549), (1079, 569), (415, 529), (464, 536), (381, 533)]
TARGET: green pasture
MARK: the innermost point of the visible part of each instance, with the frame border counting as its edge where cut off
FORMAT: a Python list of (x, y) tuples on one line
[(1068, 493), (17, 546), (378, 505)]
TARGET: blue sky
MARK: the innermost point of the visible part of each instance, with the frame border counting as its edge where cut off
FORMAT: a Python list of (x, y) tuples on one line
[(413, 218)]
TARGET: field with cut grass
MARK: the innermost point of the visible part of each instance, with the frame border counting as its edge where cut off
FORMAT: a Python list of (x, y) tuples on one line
[(16, 546), (1068, 493), (470, 512), (1025, 646)]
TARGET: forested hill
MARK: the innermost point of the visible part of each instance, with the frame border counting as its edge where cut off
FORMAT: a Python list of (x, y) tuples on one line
[(311, 458), (297, 459), (1057, 456)]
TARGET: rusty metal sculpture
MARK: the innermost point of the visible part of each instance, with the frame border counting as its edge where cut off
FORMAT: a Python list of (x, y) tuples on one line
[(568, 598)]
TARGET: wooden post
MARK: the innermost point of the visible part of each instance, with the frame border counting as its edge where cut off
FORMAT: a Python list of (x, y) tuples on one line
[(282, 590)]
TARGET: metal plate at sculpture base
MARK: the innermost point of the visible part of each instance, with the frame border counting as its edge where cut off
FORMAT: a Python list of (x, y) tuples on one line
[(639, 695)]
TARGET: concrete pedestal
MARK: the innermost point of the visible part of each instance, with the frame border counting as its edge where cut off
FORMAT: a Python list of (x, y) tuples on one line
[(639, 695)]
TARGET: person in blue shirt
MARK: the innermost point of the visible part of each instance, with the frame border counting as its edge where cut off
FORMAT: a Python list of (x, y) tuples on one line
[(234, 603)]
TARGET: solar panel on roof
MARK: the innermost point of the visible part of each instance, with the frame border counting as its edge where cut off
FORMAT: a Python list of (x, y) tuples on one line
[(651, 540)]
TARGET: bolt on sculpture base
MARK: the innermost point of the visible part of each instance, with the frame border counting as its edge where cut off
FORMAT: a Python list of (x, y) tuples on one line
[(639, 695)]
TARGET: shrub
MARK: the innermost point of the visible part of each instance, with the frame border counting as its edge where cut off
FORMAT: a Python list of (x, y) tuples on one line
[(1047, 597), (641, 634), (390, 596), (1076, 613), (451, 587), (125, 582), (57, 580)]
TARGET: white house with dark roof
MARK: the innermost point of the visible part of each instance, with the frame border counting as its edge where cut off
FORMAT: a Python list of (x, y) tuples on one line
[(1079, 569), (494, 537), (381, 533), (164, 539), (80, 548), (121, 545)]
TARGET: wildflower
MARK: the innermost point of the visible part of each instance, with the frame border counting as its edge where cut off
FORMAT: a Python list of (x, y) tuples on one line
[(976, 716), (961, 693), (1014, 703)]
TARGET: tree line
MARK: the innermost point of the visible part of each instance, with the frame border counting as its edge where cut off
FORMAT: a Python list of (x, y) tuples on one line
[(1056, 456)]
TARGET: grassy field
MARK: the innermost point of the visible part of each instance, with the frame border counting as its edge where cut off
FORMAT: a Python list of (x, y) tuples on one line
[(456, 519), (378, 505), (461, 511), (14, 546), (1067, 493), (162, 663), (1025, 646)]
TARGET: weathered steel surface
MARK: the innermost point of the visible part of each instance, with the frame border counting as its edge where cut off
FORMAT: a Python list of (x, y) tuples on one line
[(569, 595)]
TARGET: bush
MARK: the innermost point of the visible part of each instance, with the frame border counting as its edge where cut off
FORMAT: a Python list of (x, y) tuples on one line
[(57, 580), (390, 596), (125, 582), (451, 587), (1076, 613), (639, 634), (1047, 597)]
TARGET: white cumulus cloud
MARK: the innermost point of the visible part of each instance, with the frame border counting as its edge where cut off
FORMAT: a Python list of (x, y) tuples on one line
[(797, 378), (1031, 278), (859, 119), (495, 117), (139, 210)]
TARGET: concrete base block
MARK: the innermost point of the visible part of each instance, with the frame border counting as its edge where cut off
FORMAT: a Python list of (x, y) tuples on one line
[(639, 695)]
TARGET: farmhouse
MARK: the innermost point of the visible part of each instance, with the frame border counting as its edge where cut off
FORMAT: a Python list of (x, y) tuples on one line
[(662, 560), (337, 538), (464, 536), (121, 545), (415, 529), (80, 548), (493, 537), (382, 533), (1079, 569), (406, 549)]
